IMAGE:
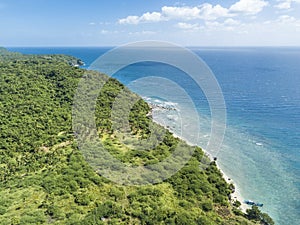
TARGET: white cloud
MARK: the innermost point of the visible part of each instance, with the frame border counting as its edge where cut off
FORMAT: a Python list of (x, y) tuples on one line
[(267, 22), (188, 26), (231, 22), (148, 32), (104, 31), (185, 13), (212, 24), (210, 12), (144, 32), (283, 21), (130, 20), (248, 7), (151, 17), (205, 12), (104, 23), (286, 22), (146, 17), (228, 24), (286, 19), (286, 4)]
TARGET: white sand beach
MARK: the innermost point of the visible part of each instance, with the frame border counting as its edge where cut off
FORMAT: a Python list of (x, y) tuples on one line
[(236, 195)]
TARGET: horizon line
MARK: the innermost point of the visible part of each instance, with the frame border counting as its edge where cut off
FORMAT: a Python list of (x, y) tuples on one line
[(186, 46)]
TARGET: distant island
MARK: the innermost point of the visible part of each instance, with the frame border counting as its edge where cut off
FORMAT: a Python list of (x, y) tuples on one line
[(46, 180)]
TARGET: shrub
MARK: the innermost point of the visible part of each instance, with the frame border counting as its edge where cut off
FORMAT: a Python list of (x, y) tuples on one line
[(2, 210), (207, 206)]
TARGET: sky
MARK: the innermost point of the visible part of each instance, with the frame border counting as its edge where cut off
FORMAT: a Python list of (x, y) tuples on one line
[(112, 22)]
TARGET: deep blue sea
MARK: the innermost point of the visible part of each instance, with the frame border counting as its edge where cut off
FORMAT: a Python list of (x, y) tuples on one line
[(261, 87)]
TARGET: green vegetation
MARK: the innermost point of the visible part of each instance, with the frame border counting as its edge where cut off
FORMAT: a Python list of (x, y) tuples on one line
[(255, 214), (46, 180)]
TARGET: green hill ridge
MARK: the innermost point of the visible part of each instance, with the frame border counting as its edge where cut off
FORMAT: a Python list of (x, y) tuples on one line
[(45, 178)]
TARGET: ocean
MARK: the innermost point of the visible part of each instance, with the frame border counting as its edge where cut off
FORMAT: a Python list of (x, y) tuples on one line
[(261, 87)]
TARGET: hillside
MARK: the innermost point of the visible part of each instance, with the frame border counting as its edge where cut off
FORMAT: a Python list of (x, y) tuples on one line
[(46, 180)]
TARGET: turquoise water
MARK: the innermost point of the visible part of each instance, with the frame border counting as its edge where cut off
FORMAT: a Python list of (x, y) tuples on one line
[(261, 87)]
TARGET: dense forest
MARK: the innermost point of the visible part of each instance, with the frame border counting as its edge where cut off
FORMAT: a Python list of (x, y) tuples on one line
[(45, 178)]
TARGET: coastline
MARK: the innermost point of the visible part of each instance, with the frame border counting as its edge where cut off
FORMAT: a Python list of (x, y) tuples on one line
[(236, 195)]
